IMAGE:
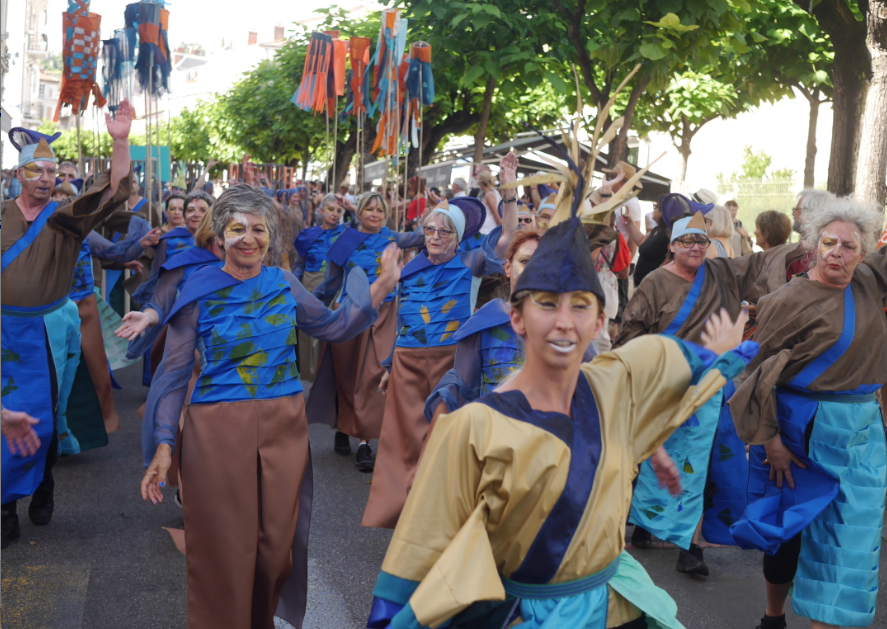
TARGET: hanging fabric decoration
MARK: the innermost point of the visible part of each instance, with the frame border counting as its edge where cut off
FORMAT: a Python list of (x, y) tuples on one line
[(360, 59), (389, 96), (153, 66), (420, 86), (118, 71), (336, 85), (312, 92), (82, 30)]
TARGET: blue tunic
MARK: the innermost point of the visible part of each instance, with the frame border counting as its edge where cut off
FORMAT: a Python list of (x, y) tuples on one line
[(177, 241), (312, 246), (84, 283), (249, 331), (356, 249)]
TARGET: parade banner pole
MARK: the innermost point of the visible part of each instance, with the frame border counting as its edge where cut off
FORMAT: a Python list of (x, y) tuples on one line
[(79, 145)]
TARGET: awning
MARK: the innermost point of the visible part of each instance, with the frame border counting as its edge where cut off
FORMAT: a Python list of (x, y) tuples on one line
[(526, 144)]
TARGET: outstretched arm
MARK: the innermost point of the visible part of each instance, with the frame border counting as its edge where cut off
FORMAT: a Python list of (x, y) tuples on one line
[(507, 174)]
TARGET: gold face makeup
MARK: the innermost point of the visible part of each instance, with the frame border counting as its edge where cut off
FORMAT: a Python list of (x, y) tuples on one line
[(580, 301), (829, 242)]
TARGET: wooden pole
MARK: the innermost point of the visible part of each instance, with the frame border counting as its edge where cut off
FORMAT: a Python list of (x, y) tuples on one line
[(79, 145)]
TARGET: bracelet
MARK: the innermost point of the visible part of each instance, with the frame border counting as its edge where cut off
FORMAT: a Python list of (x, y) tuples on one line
[(511, 200), (605, 196)]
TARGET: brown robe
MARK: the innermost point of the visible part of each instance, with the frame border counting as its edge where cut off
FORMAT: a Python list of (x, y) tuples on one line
[(728, 282), (796, 324), (358, 366), (414, 374), (44, 271)]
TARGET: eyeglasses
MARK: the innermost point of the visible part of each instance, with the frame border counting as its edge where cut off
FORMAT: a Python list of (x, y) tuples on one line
[(52, 172), (443, 233), (688, 242), (525, 221)]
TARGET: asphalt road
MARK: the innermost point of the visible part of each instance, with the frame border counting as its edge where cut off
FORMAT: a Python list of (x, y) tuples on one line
[(105, 561)]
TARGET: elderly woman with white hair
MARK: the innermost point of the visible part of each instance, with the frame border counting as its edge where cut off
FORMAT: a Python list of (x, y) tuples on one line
[(438, 291), (245, 439), (818, 462)]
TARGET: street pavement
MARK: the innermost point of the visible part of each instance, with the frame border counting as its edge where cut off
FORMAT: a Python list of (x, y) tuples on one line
[(105, 561)]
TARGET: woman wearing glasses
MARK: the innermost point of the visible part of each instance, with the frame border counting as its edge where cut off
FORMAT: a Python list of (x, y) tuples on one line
[(677, 299), (357, 363), (438, 290)]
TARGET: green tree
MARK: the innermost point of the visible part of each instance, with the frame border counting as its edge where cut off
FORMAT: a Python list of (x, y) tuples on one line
[(606, 39), (690, 102)]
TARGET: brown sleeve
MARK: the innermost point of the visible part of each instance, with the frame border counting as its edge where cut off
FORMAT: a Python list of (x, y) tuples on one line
[(876, 261), (81, 216), (638, 317)]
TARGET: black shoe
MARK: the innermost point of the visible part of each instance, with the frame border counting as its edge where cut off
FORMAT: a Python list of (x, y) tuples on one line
[(365, 459), (41, 507), (641, 538), (691, 562), (342, 443), (10, 526), (178, 499), (772, 622)]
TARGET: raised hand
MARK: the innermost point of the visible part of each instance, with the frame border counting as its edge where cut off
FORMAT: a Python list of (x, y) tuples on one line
[(607, 187), (118, 127), (721, 334), (508, 169)]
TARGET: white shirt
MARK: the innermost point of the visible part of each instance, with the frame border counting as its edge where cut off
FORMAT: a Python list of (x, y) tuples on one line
[(461, 193), (489, 222), (632, 211)]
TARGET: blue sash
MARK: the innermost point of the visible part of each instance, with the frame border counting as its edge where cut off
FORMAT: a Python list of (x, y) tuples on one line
[(345, 245), (139, 205), (30, 236), (204, 281), (774, 516), (688, 304), (192, 255)]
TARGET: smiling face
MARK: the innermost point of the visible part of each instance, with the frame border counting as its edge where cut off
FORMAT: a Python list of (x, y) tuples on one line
[(175, 213), (38, 180), (557, 328), (440, 237), (515, 265), (331, 215), (372, 218), (246, 240), (194, 213), (840, 252)]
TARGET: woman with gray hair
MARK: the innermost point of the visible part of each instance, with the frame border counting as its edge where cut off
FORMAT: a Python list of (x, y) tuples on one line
[(818, 462), (438, 291), (245, 439)]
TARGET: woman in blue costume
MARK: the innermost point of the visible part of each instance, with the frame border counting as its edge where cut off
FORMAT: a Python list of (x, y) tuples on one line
[(245, 441), (312, 246), (351, 370), (437, 296), (516, 515), (174, 242), (41, 239), (818, 464)]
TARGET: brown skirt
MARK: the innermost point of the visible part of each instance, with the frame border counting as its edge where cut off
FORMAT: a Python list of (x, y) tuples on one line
[(244, 463), (309, 347), (414, 373), (358, 365)]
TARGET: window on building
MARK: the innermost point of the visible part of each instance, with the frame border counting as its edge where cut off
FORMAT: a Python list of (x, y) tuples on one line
[(41, 91)]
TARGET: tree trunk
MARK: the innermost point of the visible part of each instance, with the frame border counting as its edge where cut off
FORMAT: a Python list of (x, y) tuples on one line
[(810, 159), (847, 107), (872, 161), (481, 135), (849, 77), (619, 145)]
